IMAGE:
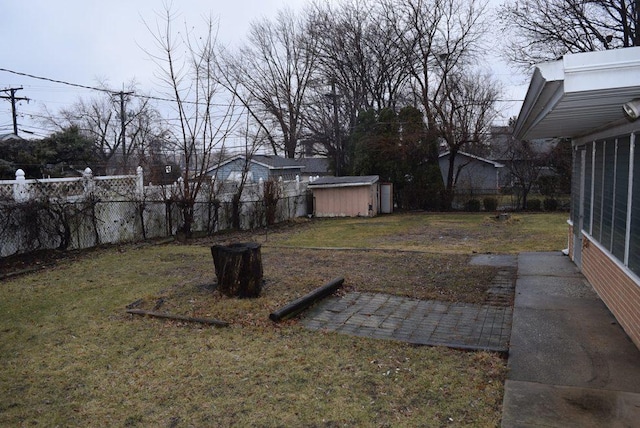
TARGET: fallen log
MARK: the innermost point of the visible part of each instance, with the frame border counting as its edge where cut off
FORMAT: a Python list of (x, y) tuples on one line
[(210, 321), (307, 300)]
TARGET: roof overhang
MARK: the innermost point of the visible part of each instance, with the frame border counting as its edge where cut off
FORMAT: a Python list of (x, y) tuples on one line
[(347, 181), (579, 94)]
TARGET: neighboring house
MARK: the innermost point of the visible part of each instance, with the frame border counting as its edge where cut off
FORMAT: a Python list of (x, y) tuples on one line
[(10, 137), (515, 159), (473, 175), (263, 167), (581, 97), (314, 167), (346, 196)]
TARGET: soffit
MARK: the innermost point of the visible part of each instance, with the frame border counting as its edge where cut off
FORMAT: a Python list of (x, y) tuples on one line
[(580, 94)]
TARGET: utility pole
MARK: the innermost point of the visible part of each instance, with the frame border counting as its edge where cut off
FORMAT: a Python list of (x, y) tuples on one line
[(336, 127), (123, 139), (13, 99)]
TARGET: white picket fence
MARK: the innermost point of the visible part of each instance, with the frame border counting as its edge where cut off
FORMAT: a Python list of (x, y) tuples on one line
[(73, 213)]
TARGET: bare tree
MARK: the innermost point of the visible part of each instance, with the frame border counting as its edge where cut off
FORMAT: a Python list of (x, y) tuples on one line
[(270, 76), (187, 67), (440, 40), (525, 165), (98, 119), (464, 110), (542, 30), (360, 67)]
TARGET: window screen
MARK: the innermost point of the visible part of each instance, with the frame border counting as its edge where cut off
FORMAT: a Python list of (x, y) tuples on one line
[(596, 231), (608, 177), (634, 244), (621, 198), (588, 169)]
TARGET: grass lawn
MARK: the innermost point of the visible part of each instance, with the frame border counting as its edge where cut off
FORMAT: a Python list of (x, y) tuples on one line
[(71, 356), (451, 233)]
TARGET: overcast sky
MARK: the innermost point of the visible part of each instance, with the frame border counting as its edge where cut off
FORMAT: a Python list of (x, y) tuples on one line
[(92, 41)]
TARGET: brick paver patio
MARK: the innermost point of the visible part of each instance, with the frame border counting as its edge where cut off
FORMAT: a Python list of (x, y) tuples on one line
[(424, 322)]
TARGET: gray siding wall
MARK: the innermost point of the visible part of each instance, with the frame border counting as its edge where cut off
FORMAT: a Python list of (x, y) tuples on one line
[(257, 171), (476, 177)]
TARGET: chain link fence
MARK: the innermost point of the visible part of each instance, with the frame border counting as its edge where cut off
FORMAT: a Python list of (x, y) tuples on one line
[(85, 212)]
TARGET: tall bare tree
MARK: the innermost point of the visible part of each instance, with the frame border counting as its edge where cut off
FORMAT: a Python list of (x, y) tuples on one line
[(542, 30), (441, 40), (187, 67), (270, 76), (360, 67)]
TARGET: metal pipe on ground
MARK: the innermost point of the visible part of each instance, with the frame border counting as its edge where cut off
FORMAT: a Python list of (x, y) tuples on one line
[(307, 300)]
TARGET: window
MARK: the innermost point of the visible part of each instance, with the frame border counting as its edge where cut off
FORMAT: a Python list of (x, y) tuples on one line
[(611, 172), (587, 187), (596, 212), (576, 177), (608, 184), (623, 151), (634, 242)]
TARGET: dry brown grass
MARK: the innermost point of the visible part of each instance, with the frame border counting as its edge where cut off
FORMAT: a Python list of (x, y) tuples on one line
[(72, 357), (290, 273)]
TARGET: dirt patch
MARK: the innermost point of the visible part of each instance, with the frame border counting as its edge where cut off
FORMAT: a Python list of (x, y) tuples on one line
[(290, 273)]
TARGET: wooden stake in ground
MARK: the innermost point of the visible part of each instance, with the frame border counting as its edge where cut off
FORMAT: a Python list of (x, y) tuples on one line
[(238, 269), (210, 321)]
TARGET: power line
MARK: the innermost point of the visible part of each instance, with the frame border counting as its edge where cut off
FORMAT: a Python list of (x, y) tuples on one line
[(105, 90)]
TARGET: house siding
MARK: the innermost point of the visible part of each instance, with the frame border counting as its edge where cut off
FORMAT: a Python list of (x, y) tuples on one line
[(476, 177), (257, 171), (618, 288), (261, 167)]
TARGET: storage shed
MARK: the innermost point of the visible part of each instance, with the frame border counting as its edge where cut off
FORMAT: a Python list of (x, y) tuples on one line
[(346, 196)]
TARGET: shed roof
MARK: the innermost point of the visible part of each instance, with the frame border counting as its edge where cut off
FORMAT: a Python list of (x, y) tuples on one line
[(579, 94), (346, 181)]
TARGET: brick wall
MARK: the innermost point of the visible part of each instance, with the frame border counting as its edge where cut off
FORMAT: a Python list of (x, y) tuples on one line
[(616, 286)]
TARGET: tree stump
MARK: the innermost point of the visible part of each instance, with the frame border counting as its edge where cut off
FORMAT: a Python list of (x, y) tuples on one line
[(238, 269)]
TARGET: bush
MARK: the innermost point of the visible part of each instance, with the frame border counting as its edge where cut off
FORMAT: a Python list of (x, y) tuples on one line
[(534, 205), (550, 204), (490, 203), (547, 185), (472, 205)]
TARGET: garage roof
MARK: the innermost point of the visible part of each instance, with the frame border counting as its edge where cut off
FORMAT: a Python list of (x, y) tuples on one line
[(579, 94)]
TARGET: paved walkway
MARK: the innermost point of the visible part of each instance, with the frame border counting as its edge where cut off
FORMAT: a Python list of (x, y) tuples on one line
[(570, 363), (464, 326)]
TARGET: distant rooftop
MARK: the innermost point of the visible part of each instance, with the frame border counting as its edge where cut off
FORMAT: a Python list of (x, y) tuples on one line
[(315, 166), (9, 137)]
